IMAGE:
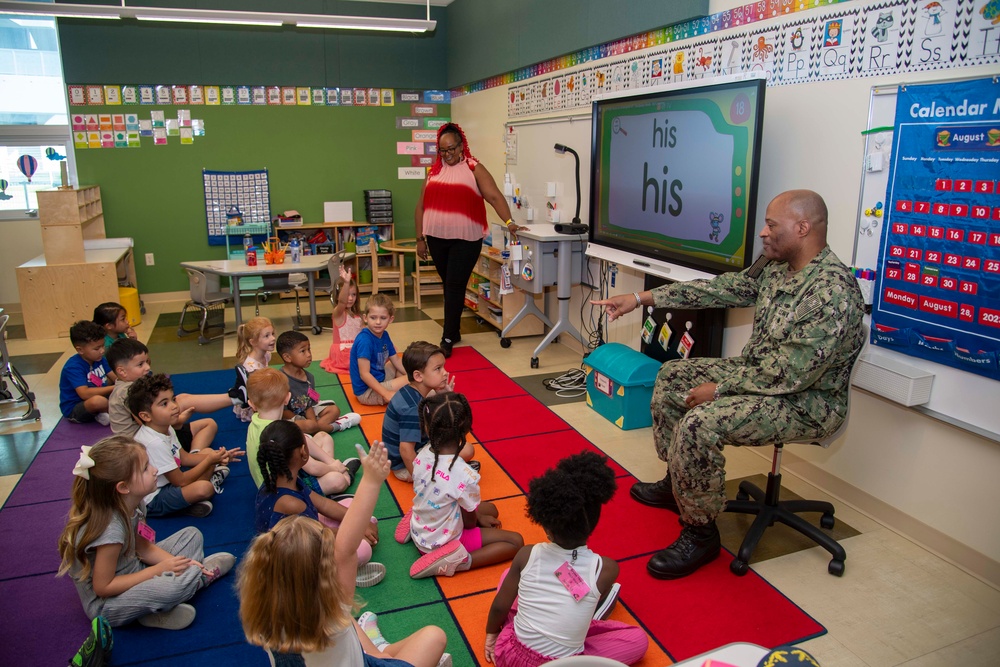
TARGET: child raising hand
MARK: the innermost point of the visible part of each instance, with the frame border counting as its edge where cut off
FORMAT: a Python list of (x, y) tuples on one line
[(296, 587)]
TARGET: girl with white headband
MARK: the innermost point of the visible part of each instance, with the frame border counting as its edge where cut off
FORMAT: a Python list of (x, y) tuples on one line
[(121, 572)]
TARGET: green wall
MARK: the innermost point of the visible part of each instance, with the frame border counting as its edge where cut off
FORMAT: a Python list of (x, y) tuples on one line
[(131, 51), (314, 154), (487, 37)]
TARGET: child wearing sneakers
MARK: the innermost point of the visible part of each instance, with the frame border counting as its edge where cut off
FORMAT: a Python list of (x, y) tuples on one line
[(401, 432), (297, 571), (376, 372), (311, 414), (151, 399), (112, 553), (448, 523), (86, 380), (267, 391), (281, 455), (553, 600), (129, 359)]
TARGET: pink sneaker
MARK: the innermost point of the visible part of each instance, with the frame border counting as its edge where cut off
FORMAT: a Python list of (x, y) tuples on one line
[(403, 529), (443, 561)]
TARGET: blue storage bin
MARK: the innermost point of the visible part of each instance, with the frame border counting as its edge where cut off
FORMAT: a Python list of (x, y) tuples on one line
[(620, 385)]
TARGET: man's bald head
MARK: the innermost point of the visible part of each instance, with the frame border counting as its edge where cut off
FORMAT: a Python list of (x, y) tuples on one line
[(795, 227)]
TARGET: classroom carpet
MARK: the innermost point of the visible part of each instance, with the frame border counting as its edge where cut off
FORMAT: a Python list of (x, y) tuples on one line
[(517, 439)]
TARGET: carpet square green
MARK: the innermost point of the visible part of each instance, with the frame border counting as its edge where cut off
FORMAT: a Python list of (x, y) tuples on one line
[(397, 624), (35, 364), (398, 589)]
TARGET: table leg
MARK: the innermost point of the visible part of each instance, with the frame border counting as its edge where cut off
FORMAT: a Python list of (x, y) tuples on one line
[(235, 281), (564, 288), (316, 329), (529, 308)]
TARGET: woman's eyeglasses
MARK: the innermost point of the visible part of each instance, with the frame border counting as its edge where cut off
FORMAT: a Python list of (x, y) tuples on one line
[(457, 148)]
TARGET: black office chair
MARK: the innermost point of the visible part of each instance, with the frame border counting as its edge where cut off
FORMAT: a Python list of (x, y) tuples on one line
[(208, 297), (770, 509)]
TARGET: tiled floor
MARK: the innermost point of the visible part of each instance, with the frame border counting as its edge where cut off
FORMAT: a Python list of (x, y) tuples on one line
[(897, 604)]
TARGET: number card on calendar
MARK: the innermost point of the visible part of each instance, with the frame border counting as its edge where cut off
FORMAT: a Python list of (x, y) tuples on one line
[(938, 286)]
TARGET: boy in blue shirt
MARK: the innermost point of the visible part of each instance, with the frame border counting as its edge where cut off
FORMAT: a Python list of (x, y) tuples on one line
[(401, 432), (376, 372), (86, 380)]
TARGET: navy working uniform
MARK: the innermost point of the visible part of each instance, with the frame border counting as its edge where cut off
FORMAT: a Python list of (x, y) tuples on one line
[(791, 381)]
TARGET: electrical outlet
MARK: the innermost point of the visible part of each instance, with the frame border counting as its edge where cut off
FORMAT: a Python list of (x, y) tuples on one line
[(149, 259)]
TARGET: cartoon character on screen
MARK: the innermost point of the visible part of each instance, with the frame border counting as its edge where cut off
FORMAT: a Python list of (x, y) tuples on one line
[(933, 11), (882, 25), (716, 221)]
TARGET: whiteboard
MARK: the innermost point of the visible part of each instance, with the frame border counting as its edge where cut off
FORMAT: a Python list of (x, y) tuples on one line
[(963, 399)]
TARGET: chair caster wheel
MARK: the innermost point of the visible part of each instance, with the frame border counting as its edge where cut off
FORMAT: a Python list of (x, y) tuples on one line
[(204, 341), (505, 343), (317, 330), (836, 568), (263, 297), (827, 521), (738, 567), (534, 362), (742, 495)]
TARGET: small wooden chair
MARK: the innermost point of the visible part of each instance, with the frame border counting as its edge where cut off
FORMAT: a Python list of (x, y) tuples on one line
[(426, 280), (390, 276)]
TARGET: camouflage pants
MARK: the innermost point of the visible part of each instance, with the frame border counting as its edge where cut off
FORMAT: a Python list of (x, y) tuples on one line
[(691, 440)]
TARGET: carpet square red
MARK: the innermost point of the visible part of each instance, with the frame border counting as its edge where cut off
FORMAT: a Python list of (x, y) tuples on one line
[(504, 418), (528, 457), (711, 608)]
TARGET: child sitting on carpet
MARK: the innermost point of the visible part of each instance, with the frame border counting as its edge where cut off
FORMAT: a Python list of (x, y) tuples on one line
[(311, 414), (552, 601), (376, 372), (347, 324), (449, 524), (112, 553), (296, 588), (254, 344), (282, 454), (268, 393), (401, 432), (85, 381), (113, 318), (151, 399), (129, 359)]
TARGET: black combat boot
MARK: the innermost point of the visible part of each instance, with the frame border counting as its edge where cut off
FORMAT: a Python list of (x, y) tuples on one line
[(655, 494), (697, 546)]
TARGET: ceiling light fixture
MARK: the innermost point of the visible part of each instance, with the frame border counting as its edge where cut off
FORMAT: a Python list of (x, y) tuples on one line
[(221, 17)]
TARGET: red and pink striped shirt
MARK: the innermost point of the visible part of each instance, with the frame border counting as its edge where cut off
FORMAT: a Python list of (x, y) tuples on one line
[(453, 205)]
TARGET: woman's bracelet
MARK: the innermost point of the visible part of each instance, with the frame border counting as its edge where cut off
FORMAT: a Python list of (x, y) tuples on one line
[(638, 301), (421, 239), (509, 223)]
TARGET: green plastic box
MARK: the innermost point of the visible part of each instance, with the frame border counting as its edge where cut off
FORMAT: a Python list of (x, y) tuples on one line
[(620, 385)]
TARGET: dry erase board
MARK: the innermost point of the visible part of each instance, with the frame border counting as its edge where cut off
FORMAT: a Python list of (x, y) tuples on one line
[(965, 399)]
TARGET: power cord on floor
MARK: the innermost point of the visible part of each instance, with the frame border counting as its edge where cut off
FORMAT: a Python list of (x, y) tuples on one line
[(571, 384)]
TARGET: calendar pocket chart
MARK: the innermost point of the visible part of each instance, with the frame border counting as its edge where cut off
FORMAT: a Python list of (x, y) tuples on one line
[(938, 285)]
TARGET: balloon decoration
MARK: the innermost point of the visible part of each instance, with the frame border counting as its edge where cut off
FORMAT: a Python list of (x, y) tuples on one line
[(27, 165), (51, 154), (3, 190)]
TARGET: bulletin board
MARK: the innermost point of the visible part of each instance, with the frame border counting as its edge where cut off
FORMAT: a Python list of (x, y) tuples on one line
[(246, 190), (935, 179)]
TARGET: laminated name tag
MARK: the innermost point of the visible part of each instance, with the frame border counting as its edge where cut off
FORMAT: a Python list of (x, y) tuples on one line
[(572, 581), (146, 533)]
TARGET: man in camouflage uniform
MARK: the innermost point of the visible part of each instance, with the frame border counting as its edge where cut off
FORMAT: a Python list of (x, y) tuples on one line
[(790, 382)]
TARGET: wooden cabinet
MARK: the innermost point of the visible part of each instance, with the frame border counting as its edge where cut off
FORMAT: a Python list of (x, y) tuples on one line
[(483, 296), (72, 277)]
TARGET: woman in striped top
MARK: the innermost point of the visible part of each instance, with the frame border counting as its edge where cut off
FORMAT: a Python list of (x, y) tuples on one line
[(451, 221)]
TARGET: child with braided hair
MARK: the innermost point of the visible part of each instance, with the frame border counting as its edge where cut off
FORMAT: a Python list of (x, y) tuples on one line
[(449, 524), (553, 600), (283, 452)]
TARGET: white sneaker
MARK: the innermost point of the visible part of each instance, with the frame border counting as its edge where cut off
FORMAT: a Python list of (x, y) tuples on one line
[(403, 475), (605, 609), (199, 509), (219, 564), (350, 420), (104, 419), (218, 478), (445, 660), (177, 618), (369, 574)]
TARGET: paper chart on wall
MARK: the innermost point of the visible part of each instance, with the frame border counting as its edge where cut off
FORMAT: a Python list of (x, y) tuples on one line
[(248, 190)]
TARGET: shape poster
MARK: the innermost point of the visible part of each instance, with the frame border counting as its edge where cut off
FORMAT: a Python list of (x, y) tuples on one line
[(938, 286)]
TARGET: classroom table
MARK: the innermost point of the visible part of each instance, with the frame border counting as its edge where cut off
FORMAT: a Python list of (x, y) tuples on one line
[(235, 269)]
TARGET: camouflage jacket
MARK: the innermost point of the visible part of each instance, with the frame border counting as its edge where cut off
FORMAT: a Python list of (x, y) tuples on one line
[(807, 331)]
